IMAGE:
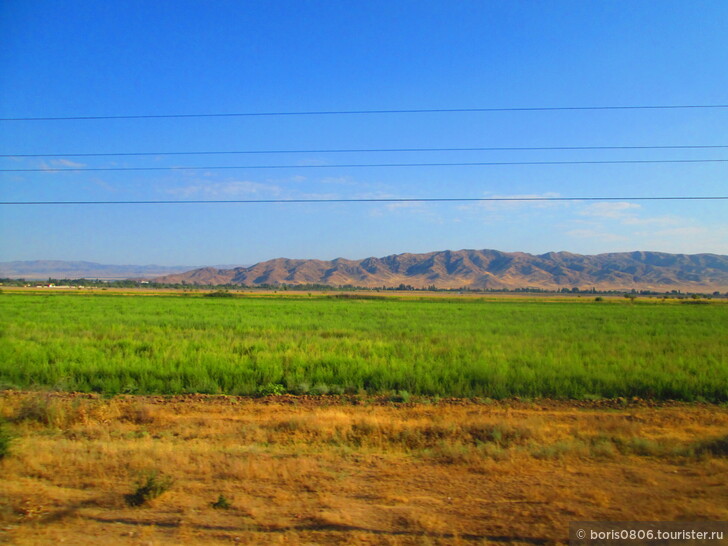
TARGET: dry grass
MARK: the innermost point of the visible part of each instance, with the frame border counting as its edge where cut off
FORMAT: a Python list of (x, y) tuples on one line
[(305, 470)]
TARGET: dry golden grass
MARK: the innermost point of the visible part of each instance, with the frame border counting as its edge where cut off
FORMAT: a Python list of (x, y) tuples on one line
[(306, 470)]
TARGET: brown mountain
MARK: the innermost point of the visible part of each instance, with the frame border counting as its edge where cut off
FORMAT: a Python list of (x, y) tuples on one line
[(485, 269)]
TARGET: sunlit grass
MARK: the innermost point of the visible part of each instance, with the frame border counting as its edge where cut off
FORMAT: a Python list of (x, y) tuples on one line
[(166, 345), (86, 468)]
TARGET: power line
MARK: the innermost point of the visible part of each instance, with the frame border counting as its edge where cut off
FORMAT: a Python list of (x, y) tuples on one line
[(360, 165), (369, 200), (371, 150), (367, 112)]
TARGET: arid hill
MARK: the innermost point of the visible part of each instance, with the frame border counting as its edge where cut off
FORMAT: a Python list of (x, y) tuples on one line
[(480, 269)]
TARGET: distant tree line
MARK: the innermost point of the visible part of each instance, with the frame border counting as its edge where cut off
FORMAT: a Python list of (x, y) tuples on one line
[(308, 287)]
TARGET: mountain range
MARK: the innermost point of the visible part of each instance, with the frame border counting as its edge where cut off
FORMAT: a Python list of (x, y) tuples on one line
[(484, 269), (58, 269)]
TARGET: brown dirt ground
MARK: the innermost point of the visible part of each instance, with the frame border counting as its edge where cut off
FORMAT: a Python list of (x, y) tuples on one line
[(308, 470)]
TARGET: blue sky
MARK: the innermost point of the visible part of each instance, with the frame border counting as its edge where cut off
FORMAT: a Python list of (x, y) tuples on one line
[(61, 58)]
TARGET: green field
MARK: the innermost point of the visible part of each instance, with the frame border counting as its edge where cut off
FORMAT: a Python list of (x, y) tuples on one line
[(447, 347)]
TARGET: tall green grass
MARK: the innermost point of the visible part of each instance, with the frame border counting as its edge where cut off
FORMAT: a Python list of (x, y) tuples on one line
[(168, 345)]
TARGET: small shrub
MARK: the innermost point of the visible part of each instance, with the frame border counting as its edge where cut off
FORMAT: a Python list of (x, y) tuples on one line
[(362, 433), (149, 487), (355, 297), (5, 440), (271, 389), (493, 451), (717, 447), (400, 396), (599, 298), (320, 389), (219, 294), (447, 453), (559, 449), (291, 425), (139, 414), (221, 503), (337, 389), (302, 388), (502, 434), (42, 409), (602, 448), (53, 412), (640, 446)]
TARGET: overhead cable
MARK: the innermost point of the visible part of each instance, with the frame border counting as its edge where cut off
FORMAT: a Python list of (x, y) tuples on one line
[(377, 150), (365, 165), (369, 112), (369, 200)]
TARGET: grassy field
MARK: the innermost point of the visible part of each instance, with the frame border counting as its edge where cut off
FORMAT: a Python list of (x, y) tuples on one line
[(309, 470), (462, 347), (399, 458)]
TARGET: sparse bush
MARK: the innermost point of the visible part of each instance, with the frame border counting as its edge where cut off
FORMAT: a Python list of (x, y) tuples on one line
[(320, 389), (221, 503), (493, 451), (558, 450), (48, 410), (400, 396), (602, 448), (640, 446), (220, 294), (717, 447), (149, 487), (43, 409), (336, 389), (139, 414), (294, 424), (355, 297), (362, 432), (501, 434), (302, 388), (269, 389), (447, 453), (5, 440)]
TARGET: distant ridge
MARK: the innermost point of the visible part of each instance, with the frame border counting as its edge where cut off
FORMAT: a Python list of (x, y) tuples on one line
[(484, 269), (57, 269)]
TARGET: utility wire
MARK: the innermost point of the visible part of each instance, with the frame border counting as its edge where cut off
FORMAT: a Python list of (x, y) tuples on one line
[(370, 150), (359, 165), (365, 112), (370, 200)]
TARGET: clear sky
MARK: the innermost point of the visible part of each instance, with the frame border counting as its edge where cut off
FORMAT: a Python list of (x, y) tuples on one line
[(101, 58)]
